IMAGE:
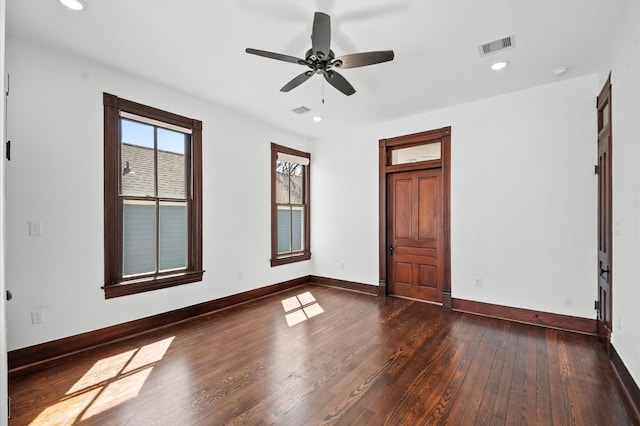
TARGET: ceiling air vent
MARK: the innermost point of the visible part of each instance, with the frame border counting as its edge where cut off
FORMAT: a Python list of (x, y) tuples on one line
[(497, 45), (301, 109)]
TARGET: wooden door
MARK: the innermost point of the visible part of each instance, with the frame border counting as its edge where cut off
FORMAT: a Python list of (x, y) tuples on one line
[(604, 302), (415, 234)]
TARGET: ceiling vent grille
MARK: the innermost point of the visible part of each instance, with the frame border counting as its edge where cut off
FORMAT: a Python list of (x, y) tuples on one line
[(301, 109), (497, 45)]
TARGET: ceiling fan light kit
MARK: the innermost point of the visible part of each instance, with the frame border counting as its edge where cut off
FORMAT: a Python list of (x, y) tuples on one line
[(320, 59)]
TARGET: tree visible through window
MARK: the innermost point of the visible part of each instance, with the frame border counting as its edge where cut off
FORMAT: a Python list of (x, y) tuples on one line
[(290, 205), (152, 198)]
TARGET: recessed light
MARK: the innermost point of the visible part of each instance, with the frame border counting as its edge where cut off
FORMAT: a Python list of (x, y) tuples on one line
[(73, 4), (499, 65), (317, 118), (560, 71)]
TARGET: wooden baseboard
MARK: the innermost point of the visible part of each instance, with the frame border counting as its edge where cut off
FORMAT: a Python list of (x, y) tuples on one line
[(32, 358), (527, 316), (347, 285), (629, 386), (39, 356)]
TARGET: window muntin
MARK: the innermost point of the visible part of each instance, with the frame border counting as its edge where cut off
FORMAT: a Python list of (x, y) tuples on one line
[(290, 205), (153, 198)]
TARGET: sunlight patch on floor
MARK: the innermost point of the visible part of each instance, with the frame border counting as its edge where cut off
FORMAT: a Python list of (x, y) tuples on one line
[(117, 392), (290, 304), (108, 383), (300, 308)]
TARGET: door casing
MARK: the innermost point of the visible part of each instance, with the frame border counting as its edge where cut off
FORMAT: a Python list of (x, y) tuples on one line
[(605, 219), (442, 135)]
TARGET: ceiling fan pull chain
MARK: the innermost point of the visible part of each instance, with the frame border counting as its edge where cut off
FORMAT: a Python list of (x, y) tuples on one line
[(323, 91)]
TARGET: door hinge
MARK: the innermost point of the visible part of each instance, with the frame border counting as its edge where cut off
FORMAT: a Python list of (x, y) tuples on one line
[(596, 305), (596, 169), (8, 151)]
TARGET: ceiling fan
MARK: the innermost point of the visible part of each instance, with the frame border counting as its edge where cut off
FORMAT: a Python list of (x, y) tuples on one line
[(321, 59)]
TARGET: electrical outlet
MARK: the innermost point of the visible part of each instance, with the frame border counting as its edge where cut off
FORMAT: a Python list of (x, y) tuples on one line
[(37, 316), (35, 228), (478, 282), (341, 265)]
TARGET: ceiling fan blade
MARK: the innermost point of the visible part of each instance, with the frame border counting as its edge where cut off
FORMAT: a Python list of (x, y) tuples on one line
[(339, 82), (297, 81), (321, 35), (278, 56), (363, 59)]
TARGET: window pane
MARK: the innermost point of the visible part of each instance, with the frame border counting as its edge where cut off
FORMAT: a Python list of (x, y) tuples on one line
[(139, 239), (296, 192), (415, 154), (173, 235), (297, 225), (282, 182), (284, 230), (136, 156), (171, 164)]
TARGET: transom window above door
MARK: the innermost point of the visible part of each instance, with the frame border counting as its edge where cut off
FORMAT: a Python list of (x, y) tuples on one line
[(416, 153)]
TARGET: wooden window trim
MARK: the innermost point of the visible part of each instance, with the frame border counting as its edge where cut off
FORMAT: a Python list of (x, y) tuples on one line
[(305, 254), (114, 284)]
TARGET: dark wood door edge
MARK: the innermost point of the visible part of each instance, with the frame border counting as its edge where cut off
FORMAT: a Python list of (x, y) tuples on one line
[(629, 387), (527, 316)]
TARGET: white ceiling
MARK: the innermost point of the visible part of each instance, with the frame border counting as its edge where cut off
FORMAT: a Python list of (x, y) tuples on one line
[(197, 47)]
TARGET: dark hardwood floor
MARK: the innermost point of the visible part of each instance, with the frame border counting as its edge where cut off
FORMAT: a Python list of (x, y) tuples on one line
[(352, 359)]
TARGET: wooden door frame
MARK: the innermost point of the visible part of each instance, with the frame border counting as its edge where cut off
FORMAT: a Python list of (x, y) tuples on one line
[(443, 136), (605, 329)]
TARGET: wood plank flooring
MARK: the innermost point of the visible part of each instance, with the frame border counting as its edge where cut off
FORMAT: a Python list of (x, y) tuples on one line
[(345, 358)]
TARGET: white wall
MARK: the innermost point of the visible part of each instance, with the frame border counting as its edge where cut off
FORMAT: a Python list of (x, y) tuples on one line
[(624, 64), (55, 177), (523, 200)]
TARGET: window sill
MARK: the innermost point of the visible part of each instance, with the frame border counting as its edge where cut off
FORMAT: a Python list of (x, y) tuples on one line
[(126, 288), (290, 259)]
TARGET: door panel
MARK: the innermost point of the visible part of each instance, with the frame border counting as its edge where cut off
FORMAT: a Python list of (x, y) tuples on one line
[(428, 276), (402, 209), (427, 204), (415, 226)]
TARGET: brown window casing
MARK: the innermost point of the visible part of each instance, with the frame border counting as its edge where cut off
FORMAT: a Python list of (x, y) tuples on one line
[(114, 283), (305, 253)]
